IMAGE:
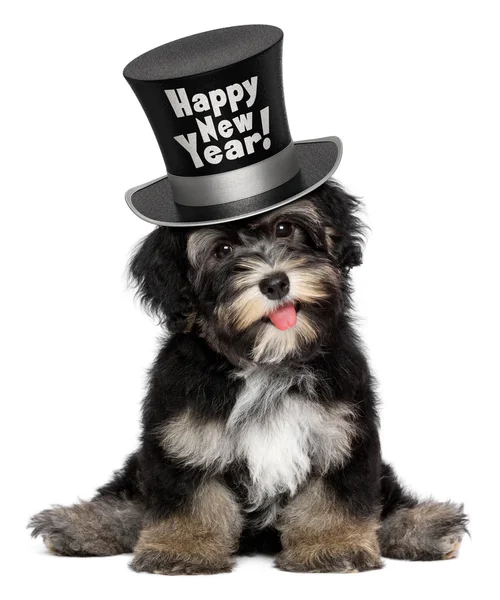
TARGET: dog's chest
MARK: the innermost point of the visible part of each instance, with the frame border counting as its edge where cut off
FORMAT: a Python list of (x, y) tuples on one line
[(276, 429), (272, 426)]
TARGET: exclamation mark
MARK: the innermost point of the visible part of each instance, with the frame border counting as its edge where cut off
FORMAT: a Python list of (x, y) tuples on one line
[(264, 117)]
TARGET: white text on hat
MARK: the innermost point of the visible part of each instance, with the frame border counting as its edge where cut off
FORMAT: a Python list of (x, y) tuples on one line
[(214, 100)]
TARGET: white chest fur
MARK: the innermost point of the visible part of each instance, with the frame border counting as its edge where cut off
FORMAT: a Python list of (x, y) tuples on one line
[(275, 428)]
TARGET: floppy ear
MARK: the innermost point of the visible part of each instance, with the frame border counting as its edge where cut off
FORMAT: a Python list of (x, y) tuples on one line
[(158, 270), (345, 230)]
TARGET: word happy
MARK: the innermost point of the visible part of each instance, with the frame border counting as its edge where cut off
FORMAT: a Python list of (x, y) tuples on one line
[(237, 97)]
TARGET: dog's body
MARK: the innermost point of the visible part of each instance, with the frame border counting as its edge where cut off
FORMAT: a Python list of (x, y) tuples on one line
[(260, 428)]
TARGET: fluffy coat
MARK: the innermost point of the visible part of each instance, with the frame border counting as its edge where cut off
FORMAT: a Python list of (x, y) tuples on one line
[(256, 438)]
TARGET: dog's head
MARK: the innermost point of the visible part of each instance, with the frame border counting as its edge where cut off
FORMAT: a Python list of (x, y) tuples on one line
[(264, 289)]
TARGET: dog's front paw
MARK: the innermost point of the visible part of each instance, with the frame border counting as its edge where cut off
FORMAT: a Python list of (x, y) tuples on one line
[(327, 560), (63, 535), (428, 531), (171, 563), (102, 527)]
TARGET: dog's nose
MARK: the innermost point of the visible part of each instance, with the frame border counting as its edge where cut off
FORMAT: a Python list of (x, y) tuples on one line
[(276, 286)]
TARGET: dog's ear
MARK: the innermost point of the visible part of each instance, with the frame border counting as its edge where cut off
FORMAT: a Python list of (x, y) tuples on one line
[(345, 230), (158, 269)]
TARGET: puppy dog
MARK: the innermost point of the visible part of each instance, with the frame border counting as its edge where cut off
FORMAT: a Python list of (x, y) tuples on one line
[(260, 428)]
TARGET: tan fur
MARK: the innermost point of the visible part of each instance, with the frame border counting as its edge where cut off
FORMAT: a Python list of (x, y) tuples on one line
[(201, 538), (247, 308), (307, 285), (429, 531), (249, 305), (191, 319), (319, 534), (281, 437), (330, 239), (310, 285), (274, 345), (197, 442), (102, 527), (200, 244)]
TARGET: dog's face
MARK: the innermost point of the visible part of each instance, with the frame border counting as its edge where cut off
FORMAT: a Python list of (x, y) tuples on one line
[(265, 285), (264, 289)]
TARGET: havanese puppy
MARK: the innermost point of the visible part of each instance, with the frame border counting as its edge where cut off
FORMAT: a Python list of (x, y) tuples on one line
[(260, 428)]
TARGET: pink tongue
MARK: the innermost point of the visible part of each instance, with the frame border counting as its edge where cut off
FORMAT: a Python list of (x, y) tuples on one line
[(284, 318)]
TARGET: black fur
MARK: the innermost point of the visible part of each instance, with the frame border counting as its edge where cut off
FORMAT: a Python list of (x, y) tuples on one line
[(196, 365)]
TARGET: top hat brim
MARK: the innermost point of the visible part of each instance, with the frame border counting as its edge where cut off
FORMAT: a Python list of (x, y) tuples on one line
[(154, 202)]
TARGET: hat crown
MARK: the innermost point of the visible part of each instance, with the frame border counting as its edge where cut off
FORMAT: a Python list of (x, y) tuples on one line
[(203, 52), (215, 100)]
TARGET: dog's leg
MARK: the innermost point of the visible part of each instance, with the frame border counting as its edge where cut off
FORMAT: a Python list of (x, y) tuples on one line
[(104, 526), (320, 533), (413, 529), (428, 531), (202, 537)]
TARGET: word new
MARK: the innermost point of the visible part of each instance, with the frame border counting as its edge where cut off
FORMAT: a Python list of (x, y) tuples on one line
[(232, 149)]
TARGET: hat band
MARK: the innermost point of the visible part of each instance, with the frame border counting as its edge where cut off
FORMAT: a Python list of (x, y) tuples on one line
[(221, 188)]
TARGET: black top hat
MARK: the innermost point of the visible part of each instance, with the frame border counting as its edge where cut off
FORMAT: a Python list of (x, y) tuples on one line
[(216, 105)]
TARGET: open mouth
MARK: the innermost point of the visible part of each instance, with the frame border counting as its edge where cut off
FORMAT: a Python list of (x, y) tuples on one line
[(284, 317)]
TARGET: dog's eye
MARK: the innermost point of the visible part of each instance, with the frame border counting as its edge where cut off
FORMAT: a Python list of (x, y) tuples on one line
[(284, 229), (223, 251)]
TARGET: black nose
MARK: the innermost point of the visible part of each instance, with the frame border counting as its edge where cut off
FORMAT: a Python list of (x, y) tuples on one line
[(276, 286)]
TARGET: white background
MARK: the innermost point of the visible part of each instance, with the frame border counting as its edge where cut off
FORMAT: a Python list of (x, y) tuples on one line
[(412, 89)]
